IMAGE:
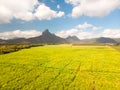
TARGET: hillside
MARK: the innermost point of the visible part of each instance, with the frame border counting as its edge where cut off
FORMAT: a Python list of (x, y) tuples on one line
[(17, 40), (99, 40), (105, 40), (117, 40), (73, 39), (47, 38)]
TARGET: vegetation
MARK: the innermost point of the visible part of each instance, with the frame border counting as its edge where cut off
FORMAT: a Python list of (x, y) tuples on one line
[(117, 47), (61, 67), (8, 48)]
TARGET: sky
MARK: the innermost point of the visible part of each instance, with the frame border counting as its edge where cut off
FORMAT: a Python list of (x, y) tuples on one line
[(82, 18)]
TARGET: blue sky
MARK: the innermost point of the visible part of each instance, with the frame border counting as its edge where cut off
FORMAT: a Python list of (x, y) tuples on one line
[(83, 18)]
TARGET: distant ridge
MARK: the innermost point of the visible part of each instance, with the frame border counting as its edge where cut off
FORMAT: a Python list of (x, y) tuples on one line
[(17, 40), (99, 40), (50, 38), (73, 39), (117, 40), (105, 40)]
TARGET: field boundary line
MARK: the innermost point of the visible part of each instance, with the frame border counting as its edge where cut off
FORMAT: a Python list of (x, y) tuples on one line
[(75, 75), (57, 76)]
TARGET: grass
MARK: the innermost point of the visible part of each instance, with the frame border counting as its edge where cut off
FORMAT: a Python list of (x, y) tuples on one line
[(61, 67), (117, 47)]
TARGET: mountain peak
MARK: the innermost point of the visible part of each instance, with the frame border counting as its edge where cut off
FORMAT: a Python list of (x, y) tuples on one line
[(72, 39), (46, 32)]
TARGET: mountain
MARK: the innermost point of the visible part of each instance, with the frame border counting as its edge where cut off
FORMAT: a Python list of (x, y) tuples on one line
[(47, 38), (99, 40), (105, 40), (73, 39), (117, 40), (88, 41), (17, 40)]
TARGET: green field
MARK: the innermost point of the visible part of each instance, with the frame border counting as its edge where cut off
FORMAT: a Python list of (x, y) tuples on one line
[(116, 47), (61, 67)]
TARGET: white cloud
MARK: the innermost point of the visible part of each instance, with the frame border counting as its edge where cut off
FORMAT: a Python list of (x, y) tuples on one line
[(80, 31), (58, 6), (80, 34), (25, 10), (114, 33), (73, 2), (44, 12), (66, 33), (84, 26), (98, 8), (19, 9), (27, 16), (111, 33), (83, 34), (19, 34), (95, 28), (5, 15)]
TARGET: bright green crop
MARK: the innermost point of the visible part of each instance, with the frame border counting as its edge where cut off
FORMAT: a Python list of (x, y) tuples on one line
[(61, 67)]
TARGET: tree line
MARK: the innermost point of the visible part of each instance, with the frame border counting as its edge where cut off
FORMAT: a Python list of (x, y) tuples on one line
[(8, 48)]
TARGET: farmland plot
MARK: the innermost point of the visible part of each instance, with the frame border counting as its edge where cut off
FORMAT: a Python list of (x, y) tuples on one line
[(61, 67)]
